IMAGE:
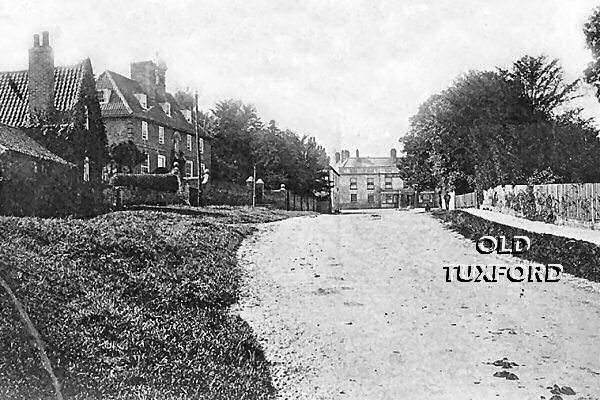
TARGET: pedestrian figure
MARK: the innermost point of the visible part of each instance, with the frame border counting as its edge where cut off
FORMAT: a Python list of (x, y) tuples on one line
[(447, 200)]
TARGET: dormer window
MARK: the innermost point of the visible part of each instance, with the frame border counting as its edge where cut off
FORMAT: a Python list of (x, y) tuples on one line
[(188, 115), (103, 95), (142, 99), (166, 108)]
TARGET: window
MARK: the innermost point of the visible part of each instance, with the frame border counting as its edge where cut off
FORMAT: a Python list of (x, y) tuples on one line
[(161, 134), (103, 95), (189, 142), (353, 198), (142, 99), (166, 108), (371, 184), (144, 130), (162, 161), (202, 167), (389, 198), (352, 183), (201, 145), (189, 168), (146, 165), (187, 114), (388, 182), (371, 198)]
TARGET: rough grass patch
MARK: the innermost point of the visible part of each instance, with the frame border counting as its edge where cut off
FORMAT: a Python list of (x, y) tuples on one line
[(578, 257)]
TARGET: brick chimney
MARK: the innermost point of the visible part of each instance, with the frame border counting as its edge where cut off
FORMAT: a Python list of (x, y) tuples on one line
[(345, 155), (41, 75), (151, 77)]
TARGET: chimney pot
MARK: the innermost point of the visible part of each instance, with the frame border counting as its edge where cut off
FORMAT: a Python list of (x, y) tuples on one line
[(337, 157), (357, 154), (393, 153), (45, 38)]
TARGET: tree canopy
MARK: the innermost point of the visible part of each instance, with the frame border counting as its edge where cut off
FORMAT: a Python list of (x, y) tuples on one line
[(501, 127), (281, 156)]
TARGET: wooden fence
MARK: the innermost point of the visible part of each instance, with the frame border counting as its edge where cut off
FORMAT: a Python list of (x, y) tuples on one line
[(576, 202)]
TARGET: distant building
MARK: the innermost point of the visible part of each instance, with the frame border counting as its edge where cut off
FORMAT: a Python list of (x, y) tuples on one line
[(369, 182), (140, 109)]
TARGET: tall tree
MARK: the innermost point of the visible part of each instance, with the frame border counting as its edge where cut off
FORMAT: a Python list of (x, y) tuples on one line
[(542, 83), (591, 30)]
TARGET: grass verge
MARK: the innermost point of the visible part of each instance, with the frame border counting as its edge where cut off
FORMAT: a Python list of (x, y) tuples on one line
[(578, 257), (130, 305)]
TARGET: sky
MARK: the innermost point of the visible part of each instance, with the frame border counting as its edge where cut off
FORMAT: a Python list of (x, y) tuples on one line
[(351, 73)]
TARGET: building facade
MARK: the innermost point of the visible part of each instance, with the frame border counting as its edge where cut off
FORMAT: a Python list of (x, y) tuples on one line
[(141, 110), (369, 182), (46, 97), (33, 180)]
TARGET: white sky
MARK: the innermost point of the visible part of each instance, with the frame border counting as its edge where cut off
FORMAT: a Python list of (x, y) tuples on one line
[(349, 72)]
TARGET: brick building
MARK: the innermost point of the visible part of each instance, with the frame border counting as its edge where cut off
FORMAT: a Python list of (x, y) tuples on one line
[(60, 96), (32, 179), (369, 182), (140, 109), (52, 140)]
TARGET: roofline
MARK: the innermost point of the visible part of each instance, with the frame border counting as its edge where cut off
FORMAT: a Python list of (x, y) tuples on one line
[(116, 87)]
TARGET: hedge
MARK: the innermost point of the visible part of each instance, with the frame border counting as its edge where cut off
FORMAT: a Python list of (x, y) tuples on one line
[(159, 182), (578, 257)]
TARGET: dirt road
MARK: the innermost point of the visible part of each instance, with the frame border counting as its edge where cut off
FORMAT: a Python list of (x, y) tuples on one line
[(356, 306)]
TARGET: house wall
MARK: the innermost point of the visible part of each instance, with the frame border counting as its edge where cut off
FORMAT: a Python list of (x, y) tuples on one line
[(379, 191), (31, 186), (123, 129)]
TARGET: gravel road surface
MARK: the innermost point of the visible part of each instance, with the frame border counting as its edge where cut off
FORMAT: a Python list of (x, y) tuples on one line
[(356, 306)]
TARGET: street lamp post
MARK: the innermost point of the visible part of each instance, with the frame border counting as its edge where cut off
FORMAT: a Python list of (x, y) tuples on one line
[(254, 186)]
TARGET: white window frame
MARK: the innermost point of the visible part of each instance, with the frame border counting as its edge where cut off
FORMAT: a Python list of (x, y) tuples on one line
[(162, 161), (189, 142), (201, 146), (191, 164), (146, 165), (142, 98), (202, 168), (161, 135), (144, 130), (105, 95), (167, 108)]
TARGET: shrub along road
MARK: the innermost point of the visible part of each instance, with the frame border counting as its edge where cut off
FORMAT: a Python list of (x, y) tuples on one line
[(356, 306)]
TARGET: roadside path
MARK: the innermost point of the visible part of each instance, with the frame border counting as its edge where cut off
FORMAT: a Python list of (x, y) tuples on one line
[(355, 306), (538, 226)]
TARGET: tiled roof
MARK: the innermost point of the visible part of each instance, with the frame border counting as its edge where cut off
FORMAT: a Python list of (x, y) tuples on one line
[(16, 140), (368, 165), (122, 102), (14, 92)]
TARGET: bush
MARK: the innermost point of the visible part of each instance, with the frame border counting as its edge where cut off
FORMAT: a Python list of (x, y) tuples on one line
[(158, 182), (130, 305), (578, 257)]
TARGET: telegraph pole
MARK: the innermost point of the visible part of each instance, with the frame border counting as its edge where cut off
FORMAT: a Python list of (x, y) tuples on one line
[(198, 154)]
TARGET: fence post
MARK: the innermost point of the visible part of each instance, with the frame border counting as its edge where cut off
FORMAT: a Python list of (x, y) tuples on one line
[(287, 200), (592, 208)]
